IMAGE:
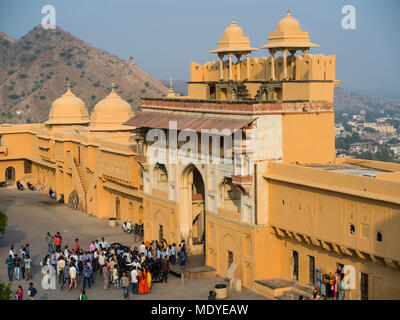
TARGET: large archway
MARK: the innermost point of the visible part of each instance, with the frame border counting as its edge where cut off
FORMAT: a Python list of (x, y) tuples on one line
[(192, 209), (10, 175)]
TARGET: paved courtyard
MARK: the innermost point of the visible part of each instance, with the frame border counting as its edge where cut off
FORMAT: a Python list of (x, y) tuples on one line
[(32, 214)]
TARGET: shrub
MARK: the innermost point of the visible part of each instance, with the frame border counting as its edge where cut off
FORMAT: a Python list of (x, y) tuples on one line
[(46, 65), (5, 291), (42, 97), (96, 84), (3, 220), (13, 96), (129, 100), (10, 72), (79, 65), (11, 88), (22, 76)]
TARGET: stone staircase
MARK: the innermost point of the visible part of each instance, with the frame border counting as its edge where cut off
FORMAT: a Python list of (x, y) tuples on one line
[(82, 177), (242, 92), (283, 289)]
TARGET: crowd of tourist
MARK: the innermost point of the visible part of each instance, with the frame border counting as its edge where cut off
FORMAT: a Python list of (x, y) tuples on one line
[(133, 270)]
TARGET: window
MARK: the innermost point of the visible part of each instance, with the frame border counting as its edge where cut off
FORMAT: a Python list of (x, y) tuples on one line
[(1, 141), (379, 236), (352, 229), (230, 258)]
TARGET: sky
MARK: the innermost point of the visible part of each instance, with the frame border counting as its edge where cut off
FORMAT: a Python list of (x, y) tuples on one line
[(163, 36)]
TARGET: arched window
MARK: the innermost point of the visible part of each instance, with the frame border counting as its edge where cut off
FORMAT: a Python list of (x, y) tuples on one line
[(379, 237), (352, 229)]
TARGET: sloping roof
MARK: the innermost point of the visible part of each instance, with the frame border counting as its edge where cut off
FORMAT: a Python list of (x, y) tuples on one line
[(185, 122)]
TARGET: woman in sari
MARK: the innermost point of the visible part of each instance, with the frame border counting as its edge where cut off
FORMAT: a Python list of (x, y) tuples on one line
[(141, 282), (149, 280), (145, 284), (106, 275)]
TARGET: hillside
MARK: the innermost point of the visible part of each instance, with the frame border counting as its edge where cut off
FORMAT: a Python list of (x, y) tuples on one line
[(35, 69)]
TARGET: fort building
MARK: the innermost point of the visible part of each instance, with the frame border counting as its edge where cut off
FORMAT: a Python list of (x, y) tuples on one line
[(259, 185)]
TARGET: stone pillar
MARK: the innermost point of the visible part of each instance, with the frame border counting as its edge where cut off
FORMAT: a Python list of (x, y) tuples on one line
[(284, 52), (292, 62), (238, 66), (221, 67), (272, 52), (248, 66), (230, 66)]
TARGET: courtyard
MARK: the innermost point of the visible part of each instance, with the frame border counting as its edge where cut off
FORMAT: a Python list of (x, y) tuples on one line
[(32, 214)]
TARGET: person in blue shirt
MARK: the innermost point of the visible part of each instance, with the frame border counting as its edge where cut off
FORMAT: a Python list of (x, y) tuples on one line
[(32, 292), (87, 275), (10, 267), (66, 276)]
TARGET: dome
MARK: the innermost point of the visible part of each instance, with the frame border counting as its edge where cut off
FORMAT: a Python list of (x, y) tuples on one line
[(68, 109), (111, 111), (288, 23), (233, 40), (288, 34)]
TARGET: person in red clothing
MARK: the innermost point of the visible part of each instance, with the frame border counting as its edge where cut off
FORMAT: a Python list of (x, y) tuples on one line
[(57, 243), (77, 246)]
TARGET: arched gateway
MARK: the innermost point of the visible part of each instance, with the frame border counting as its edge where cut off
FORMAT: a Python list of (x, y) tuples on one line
[(192, 209)]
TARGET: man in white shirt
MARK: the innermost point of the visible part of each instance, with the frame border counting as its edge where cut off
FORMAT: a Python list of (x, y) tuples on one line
[(134, 281), (12, 251), (142, 248), (104, 244)]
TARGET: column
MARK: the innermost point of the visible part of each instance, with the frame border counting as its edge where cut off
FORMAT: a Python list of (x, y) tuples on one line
[(221, 66), (230, 66), (272, 53), (248, 66), (284, 52), (292, 63), (238, 66)]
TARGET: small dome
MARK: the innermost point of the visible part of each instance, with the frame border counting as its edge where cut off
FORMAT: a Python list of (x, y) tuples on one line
[(288, 23), (68, 109), (233, 40), (288, 34), (112, 110)]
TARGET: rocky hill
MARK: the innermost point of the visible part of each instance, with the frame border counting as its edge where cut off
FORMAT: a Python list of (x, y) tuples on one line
[(34, 71)]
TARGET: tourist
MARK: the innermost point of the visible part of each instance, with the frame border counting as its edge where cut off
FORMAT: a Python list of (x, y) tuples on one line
[(28, 266), (315, 295), (22, 251), (49, 241), (27, 249), (173, 253), (134, 280), (23, 264), (87, 276), (102, 261), (58, 242), (10, 267), (83, 296), (165, 269), (77, 246), (32, 292), (149, 283), (60, 269), (17, 267), (104, 244), (72, 274), (125, 285), (66, 275), (54, 260), (19, 294), (114, 278), (92, 247), (142, 248), (106, 277), (181, 258)]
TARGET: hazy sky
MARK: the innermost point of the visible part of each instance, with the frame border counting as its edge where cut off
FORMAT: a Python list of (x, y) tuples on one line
[(164, 36)]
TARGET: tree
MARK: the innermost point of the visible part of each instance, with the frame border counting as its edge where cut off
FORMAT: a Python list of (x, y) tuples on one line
[(3, 220), (5, 291)]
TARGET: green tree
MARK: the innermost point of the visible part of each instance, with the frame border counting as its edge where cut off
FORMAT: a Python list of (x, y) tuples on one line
[(3, 220), (5, 291)]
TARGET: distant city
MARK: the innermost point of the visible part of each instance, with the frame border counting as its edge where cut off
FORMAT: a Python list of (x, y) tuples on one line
[(369, 135)]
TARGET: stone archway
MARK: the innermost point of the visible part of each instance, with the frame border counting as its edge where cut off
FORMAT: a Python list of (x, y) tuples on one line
[(10, 175), (192, 209)]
